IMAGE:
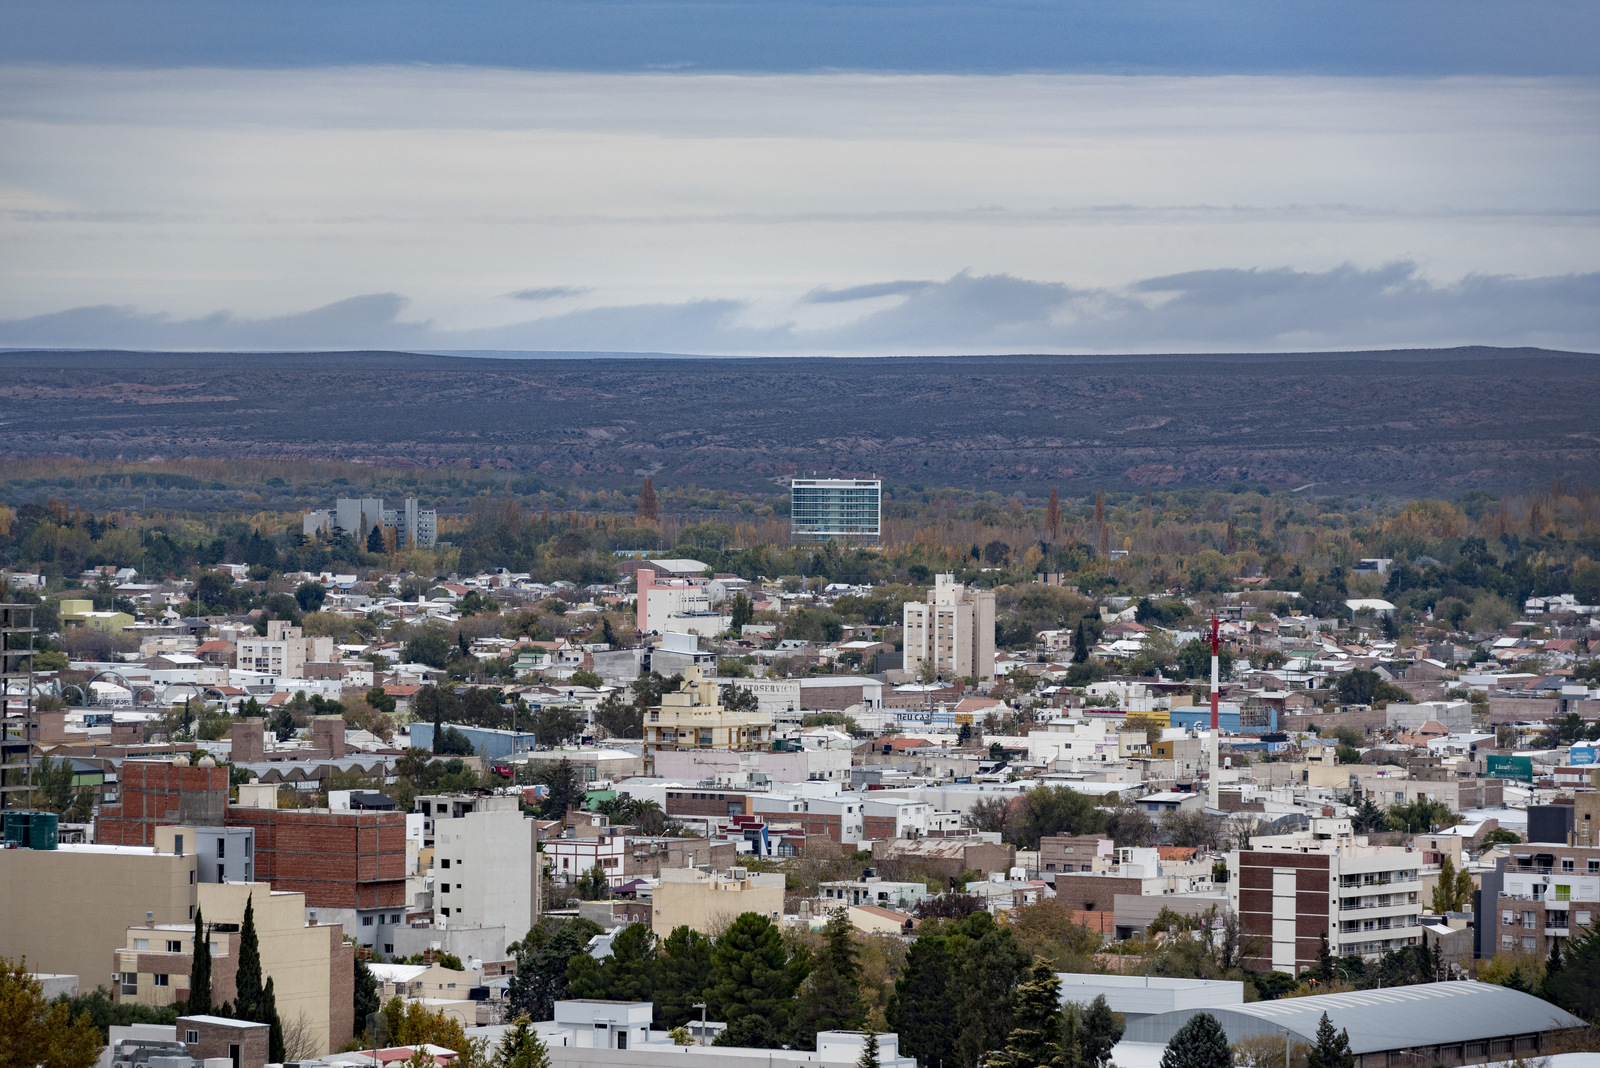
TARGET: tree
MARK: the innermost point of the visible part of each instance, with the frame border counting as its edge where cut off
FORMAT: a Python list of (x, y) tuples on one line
[(199, 1002), (1200, 1043), (1098, 1032), (682, 972), (989, 965), (375, 539), (1052, 516), (542, 959), (1576, 984), (521, 1047), (649, 510), (629, 974), (924, 1005), (37, 1032), (311, 595), (586, 678), (1035, 1039), (831, 997), (869, 1048), (593, 885), (743, 612), (365, 995), (1331, 1050), (1453, 892), (1130, 825), (1080, 644), (752, 974)]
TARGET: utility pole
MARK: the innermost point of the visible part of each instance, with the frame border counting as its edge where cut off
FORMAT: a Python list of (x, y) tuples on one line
[(702, 1007)]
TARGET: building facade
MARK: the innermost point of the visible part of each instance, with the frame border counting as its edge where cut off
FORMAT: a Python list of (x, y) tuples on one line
[(708, 902), (846, 508), (406, 527), (693, 718), (483, 867), (953, 631)]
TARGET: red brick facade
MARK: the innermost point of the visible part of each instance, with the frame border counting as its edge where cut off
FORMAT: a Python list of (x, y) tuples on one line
[(339, 860), (1255, 905), (157, 794)]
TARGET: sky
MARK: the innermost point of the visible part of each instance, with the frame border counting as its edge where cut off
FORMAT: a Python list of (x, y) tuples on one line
[(775, 177)]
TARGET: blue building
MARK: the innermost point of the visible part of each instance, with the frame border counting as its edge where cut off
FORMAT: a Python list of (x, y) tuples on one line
[(487, 742), (1231, 718)]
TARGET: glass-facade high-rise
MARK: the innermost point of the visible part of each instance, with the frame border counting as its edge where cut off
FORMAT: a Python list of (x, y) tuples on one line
[(823, 508)]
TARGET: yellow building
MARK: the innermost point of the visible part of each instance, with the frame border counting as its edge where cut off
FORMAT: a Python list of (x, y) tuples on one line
[(81, 613), (693, 718), (311, 968), (708, 903), (68, 909)]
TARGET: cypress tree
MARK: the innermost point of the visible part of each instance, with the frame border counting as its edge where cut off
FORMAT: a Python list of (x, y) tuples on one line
[(831, 1000), (1200, 1043), (365, 994), (923, 1009), (200, 969), (247, 982)]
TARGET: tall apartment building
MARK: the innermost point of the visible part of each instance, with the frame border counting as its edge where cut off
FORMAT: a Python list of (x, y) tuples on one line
[(406, 527), (825, 508), (693, 717), (954, 630), (284, 652), (1289, 890), (1545, 891), (484, 873)]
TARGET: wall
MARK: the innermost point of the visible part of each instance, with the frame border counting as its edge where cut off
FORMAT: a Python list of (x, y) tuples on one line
[(68, 909), (337, 859), (687, 897), (158, 792)]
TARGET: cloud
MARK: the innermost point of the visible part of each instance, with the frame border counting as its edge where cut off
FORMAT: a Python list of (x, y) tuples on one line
[(1239, 309), (824, 295), (550, 292)]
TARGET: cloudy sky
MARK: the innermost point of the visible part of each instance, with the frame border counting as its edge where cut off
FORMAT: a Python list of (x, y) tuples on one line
[(772, 176)]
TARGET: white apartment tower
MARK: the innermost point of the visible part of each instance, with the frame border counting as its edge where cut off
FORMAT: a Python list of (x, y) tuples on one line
[(954, 631)]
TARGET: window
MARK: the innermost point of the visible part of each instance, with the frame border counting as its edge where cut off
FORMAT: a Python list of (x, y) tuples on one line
[(1582, 919), (248, 839), (705, 736), (216, 949), (445, 888), (366, 921), (444, 863), (1566, 863), (222, 848), (191, 876), (1594, 867), (1528, 944), (177, 844), (191, 1036), (141, 945), (445, 911), (161, 979), (1528, 921), (1508, 918), (174, 946), (1563, 892), (130, 982)]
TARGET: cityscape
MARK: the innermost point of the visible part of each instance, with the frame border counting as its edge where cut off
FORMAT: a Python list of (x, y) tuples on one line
[(799, 534)]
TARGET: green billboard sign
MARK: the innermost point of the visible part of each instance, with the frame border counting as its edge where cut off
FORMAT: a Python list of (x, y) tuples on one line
[(1511, 767)]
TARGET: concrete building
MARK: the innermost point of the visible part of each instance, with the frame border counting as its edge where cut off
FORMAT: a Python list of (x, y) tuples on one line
[(570, 859), (406, 527), (1454, 716), (693, 718), (68, 909), (953, 630), (708, 902), (311, 966), (1085, 852), (1139, 996), (284, 652), (483, 867), (1545, 894), (676, 605), (1290, 890), (850, 509)]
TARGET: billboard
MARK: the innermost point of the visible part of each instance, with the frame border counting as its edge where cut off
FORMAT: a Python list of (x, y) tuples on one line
[(1511, 767), (1581, 754)]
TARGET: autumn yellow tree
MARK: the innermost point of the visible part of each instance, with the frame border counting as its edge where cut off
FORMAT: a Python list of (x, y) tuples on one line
[(36, 1033)]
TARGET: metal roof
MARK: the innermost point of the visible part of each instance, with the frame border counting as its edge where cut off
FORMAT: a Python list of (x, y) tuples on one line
[(1397, 1018)]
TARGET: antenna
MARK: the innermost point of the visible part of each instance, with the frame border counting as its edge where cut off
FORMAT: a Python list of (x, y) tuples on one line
[(1216, 650)]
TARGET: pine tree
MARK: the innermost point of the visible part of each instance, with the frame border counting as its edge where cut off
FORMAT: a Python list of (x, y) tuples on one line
[(1098, 1032), (629, 974), (682, 972), (753, 974), (1200, 1043), (522, 1047), (200, 970), (869, 1052), (1332, 1050), (831, 999), (365, 994), (1035, 1040)]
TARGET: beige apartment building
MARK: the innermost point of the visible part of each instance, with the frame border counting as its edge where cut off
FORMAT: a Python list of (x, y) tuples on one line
[(709, 902), (312, 970), (284, 652), (693, 718), (953, 630), (68, 909)]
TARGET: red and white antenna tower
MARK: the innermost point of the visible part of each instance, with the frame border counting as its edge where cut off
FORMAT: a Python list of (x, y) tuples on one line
[(1216, 693)]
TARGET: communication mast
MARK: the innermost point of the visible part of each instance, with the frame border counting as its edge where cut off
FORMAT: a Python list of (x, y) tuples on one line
[(1212, 799)]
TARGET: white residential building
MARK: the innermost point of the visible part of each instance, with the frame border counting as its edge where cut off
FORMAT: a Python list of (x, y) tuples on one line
[(954, 630), (483, 867)]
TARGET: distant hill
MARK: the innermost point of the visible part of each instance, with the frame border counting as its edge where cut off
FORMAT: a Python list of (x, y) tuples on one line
[(1422, 421)]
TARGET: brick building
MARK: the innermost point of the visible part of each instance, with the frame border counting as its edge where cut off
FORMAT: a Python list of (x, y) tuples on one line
[(1062, 852), (161, 793)]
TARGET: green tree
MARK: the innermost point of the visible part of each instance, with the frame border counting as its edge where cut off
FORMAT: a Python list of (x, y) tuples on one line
[(925, 1002), (199, 1002), (1575, 986), (682, 973), (989, 965), (1331, 1050), (365, 994), (593, 885), (521, 1047), (1036, 1034), (542, 959), (34, 1031), (1200, 1043), (869, 1052), (255, 1001), (831, 997), (586, 678), (629, 974), (1098, 1031), (752, 974), (1453, 892)]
